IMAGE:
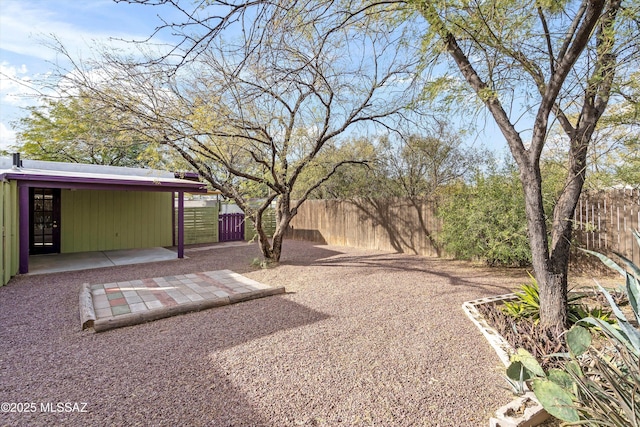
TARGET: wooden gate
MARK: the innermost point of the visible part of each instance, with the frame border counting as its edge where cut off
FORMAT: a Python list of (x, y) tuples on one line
[(230, 227)]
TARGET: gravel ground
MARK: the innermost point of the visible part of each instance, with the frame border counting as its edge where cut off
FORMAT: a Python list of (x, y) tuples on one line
[(361, 338)]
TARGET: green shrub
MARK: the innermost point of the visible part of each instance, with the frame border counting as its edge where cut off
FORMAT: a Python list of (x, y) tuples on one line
[(486, 221)]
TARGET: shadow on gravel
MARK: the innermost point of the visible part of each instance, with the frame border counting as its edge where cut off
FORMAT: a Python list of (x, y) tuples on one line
[(167, 372), (316, 255), (236, 324), (245, 364), (454, 272)]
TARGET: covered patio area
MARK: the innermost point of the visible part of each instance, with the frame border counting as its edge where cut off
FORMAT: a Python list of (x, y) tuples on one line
[(56, 263), (77, 211)]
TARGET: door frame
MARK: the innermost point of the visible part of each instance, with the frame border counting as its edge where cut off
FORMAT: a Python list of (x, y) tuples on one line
[(54, 248)]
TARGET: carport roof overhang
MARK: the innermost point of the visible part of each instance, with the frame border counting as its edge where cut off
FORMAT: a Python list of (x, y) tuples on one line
[(43, 178), (95, 181)]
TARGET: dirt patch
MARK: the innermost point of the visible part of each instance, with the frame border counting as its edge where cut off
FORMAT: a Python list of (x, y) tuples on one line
[(361, 338)]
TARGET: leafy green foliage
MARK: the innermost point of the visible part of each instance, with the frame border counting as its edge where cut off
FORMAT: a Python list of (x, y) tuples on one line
[(486, 221), (555, 399), (532, 64), (80, 130), (516, 377), (614, 155), (528, 361), (415, 165), (578, 340), (527, 304), (617, 148), (421, 165)]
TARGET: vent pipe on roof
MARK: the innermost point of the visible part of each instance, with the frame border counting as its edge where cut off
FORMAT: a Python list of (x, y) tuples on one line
[(17, 163)]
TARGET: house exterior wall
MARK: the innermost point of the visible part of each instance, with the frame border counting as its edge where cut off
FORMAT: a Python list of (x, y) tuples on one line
[(106, 220), (9, 253)]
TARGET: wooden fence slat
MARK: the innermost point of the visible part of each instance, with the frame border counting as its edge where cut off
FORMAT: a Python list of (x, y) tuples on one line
[(603, 222)]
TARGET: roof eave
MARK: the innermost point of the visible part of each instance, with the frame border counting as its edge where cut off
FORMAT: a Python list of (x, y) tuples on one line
[(53, 181)]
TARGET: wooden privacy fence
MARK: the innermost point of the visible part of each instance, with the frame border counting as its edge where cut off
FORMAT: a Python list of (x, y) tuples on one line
[(384, 224), (200, 225), (604, 222)]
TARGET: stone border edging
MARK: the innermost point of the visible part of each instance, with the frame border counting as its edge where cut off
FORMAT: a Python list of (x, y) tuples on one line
[(534, 415), (131, 319), (499, 344)]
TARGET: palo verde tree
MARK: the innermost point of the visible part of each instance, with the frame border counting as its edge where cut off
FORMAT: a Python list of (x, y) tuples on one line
[(532, 64), (251, 93), (618, 137), (613, 159)]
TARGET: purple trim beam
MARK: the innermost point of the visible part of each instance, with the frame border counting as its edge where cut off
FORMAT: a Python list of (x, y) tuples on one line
[(173, 218), (46, 181), (23, 227), (191, 176)]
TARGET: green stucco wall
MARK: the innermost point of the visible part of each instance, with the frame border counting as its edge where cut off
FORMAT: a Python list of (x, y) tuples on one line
[(105, 220), (9, 255)]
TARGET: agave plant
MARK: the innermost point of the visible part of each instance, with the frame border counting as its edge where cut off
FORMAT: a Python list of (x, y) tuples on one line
[(526, 305), (599, 385)]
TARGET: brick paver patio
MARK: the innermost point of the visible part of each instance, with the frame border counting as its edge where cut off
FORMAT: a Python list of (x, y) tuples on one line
[(117, 304)]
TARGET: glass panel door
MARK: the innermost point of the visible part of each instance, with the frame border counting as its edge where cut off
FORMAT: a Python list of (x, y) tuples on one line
[(45, 220)]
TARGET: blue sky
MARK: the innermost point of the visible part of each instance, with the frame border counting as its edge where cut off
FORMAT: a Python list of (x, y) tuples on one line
[(79, 24)]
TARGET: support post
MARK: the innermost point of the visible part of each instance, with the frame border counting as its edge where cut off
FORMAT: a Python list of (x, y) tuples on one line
[(23, 227), (173, 218), (181, 224)]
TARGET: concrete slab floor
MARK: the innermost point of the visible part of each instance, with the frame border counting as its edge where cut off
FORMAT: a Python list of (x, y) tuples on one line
[(55, 263)]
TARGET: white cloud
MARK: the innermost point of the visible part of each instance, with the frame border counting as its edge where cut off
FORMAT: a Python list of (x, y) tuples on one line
[(27, 62), (24, 23), (15, 85), (27, 27), (7, 137)]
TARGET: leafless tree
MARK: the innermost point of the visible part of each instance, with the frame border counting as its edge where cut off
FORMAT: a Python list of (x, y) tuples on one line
[(251, 92)]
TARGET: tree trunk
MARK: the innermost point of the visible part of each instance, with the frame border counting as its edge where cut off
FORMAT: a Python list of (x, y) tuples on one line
[(284, 215), (553, 299), (263, 239), (278, 237), (272, 248), (551, 274)]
